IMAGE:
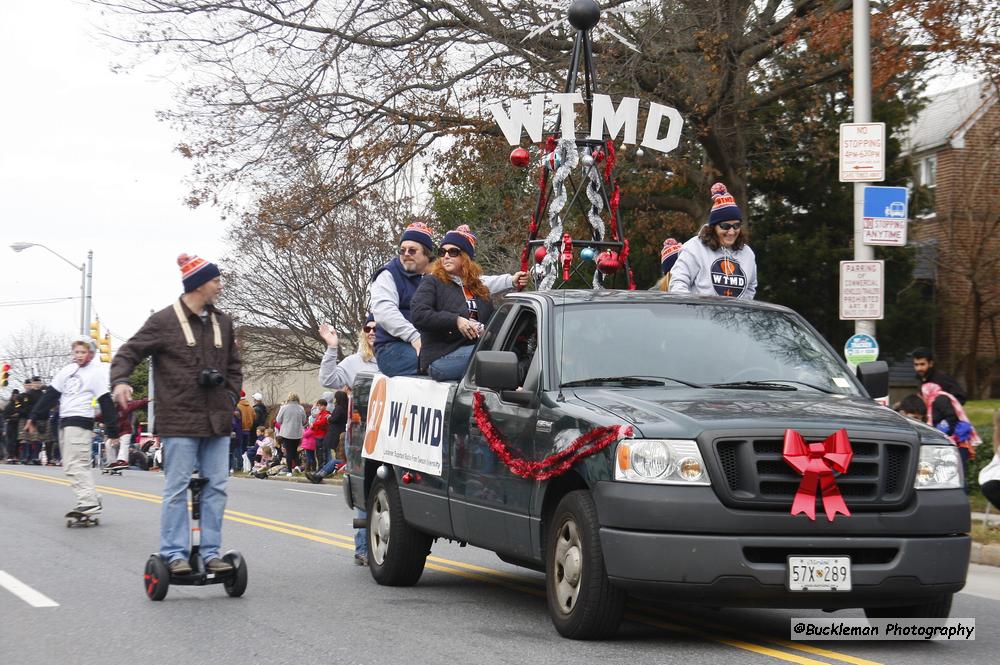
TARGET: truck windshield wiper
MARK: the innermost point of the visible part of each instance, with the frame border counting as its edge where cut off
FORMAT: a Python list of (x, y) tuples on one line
[(803, 383), (628, 381), (753, 385)]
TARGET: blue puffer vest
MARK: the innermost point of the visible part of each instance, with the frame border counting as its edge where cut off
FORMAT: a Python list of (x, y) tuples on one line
[(406, 286)]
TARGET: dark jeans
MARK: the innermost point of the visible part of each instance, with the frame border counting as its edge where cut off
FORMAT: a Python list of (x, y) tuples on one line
[(248, 439), (397, 359), (11, 439), (310, 460), (235, 452)]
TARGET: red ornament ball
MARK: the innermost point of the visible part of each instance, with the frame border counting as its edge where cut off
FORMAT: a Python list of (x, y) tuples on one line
[(540, 253), (598, 156), (608, 262), (520, 157)]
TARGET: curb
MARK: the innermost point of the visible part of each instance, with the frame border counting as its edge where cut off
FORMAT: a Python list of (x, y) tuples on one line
[(986, 555)]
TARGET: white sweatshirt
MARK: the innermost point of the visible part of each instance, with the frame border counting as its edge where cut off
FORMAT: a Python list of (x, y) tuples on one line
[(80, 387), (701, 271)]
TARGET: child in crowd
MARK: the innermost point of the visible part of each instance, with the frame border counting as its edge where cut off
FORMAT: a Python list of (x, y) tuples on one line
[(309, 446), (263, 461), (253, 450)]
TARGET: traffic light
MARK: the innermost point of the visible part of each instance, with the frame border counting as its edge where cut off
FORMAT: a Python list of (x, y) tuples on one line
[(105, 347), (95, 331), (4, 375)]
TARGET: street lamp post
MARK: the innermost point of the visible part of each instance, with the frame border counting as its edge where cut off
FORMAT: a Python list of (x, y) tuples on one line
[(86, 283)]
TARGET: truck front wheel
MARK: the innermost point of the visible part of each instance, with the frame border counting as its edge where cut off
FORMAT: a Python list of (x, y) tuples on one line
[(396, 551), (939, 608), (582, 602)]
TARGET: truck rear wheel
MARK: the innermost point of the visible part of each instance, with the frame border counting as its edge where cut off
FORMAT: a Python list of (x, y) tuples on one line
[(396, 551), (582, 602), (939, 608)]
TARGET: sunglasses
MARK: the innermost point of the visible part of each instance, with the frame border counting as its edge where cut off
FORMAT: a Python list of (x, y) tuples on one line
[(729, 226), (451, 251), (408, 251), (370, 328)]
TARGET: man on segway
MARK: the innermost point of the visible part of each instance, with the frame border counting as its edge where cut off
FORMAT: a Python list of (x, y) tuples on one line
[(198, 378)]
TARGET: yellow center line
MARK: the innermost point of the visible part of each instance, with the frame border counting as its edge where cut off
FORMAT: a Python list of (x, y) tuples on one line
[(738, 644), (531, 586), (788, 644)]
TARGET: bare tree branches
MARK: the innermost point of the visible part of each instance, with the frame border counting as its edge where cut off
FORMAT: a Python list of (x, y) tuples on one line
[(362, 87), (35, 351), (280, 289)]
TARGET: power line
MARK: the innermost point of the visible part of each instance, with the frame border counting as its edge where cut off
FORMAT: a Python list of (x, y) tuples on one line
[(40, 301)]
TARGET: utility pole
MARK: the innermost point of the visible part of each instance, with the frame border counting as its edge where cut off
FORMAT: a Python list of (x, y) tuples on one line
[(88, 288), (862, 114)]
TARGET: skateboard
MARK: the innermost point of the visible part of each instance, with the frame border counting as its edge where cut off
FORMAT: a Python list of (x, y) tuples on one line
[(113, 472), (76, 518)]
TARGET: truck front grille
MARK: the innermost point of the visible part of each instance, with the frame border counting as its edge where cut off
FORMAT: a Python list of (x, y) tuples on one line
[(756, 475)]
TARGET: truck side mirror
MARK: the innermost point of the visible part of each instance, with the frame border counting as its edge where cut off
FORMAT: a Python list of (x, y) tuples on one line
[(874, 377), (496, 370)]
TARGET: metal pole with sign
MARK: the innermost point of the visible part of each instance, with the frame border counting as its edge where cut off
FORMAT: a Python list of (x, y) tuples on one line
[(862, 155)]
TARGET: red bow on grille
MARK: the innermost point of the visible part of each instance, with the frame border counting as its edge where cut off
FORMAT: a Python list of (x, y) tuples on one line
[(816, 463)]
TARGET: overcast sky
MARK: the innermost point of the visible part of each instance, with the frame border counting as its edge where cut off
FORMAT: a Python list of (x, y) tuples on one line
[(86, 165)]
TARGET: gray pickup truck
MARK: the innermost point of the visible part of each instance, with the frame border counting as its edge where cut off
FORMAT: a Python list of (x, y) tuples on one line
[(693, 502)]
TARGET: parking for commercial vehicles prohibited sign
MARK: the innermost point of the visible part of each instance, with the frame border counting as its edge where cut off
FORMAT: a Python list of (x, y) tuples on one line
[(861, 287), (862, 152)]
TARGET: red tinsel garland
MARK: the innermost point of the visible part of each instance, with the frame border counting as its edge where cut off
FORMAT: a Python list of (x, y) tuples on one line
[(609, 165), (615, 199), (585, 445), (532, 229), (624, 258)]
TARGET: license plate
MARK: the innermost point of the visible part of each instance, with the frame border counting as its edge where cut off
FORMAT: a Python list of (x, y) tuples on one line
[(819, 573)]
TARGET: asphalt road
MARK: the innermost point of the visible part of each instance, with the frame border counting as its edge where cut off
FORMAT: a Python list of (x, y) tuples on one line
[(307, 603)]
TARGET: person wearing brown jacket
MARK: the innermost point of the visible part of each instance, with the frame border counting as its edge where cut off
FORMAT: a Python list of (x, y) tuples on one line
[(197, 380)]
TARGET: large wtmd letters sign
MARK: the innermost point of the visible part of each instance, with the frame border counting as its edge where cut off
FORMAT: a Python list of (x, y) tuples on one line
[(520, 117)]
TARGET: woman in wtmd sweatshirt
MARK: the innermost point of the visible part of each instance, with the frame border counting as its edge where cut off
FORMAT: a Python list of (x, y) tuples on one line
[(717, 262)]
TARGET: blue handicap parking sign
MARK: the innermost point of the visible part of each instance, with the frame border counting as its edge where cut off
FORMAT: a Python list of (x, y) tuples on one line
[(885, 202)]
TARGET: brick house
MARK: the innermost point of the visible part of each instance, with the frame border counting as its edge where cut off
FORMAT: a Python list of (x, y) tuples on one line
[(954, 148)]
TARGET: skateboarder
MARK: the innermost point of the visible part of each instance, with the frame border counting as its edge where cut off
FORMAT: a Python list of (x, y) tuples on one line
[(77, 387)]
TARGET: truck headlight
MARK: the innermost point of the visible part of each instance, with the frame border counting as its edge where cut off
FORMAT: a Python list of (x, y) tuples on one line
[(939, 468), (663, 461)]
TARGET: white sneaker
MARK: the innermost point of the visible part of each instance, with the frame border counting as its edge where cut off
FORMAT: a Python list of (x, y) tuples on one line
[(289, 473), (297, 469)]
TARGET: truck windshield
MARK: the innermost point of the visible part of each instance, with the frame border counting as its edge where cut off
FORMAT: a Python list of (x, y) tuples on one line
[(710, 345)]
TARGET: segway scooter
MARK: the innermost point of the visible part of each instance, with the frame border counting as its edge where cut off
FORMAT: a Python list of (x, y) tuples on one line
[(158, 578)]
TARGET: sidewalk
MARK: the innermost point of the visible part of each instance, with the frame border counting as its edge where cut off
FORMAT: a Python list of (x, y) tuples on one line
[(994, 518), (983, 581)]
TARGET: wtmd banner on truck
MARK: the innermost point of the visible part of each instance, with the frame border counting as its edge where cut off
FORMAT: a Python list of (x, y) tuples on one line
[(406, 422)]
